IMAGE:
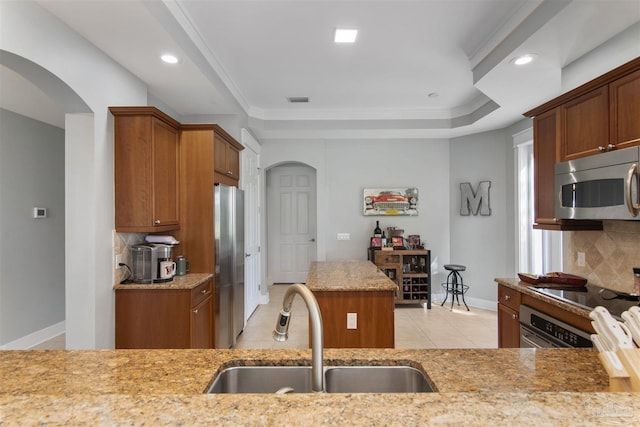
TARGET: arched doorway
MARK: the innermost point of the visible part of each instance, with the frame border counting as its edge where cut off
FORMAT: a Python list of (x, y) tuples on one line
[(78, 131), (291, 222)]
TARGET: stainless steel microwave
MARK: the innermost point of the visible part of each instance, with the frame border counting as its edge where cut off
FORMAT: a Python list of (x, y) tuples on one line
[(602, 186)]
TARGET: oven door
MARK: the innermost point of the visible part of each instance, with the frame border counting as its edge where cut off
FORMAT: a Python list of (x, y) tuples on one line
[(530, 339)]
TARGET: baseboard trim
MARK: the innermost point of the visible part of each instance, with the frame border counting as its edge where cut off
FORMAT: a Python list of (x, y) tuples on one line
[(35, 338)]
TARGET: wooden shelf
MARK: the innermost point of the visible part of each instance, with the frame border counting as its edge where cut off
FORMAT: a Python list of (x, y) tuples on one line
[(410, 270)]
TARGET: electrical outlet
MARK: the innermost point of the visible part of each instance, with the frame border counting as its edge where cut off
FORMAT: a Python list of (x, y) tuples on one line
[(118, 260), (581, 259), (352, 320)]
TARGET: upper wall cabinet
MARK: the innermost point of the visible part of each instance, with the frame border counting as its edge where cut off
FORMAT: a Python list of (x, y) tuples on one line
[(227, 155), (624, 100), (599, 116), (146, 170)]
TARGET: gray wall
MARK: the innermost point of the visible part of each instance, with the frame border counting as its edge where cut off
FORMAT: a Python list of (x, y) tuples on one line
[(485, 244), (32, 259)]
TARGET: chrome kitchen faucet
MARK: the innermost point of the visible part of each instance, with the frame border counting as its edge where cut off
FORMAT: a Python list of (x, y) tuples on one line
[(280, 333)]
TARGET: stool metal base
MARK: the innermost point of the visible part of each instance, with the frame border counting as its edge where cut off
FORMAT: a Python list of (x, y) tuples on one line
[(455, 286)]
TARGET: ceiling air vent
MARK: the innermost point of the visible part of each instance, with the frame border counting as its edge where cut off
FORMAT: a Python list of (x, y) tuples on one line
[(298, 99)]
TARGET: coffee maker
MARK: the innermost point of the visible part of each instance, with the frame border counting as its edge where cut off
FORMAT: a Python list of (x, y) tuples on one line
[(152, 263)]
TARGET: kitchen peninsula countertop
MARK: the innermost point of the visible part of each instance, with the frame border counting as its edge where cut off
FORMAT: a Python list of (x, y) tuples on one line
[(164, 387), (347, 275), (188, 281), (526, 289)]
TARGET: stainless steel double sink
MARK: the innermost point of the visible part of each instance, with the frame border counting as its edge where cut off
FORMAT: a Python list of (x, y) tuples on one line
[(337, 379)]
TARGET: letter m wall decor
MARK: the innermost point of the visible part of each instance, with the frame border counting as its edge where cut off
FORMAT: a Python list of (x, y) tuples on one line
[(475, 201)]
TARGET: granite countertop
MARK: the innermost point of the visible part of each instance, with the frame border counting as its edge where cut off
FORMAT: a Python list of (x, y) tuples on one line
[(188, 281), (347, 275), (526, 289), (164, 387)]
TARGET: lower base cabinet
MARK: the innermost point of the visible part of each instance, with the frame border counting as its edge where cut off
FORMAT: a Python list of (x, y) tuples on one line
[(508, 317), (165, 318)]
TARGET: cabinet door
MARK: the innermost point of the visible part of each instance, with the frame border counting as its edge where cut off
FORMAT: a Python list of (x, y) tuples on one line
[(233, 162), (546, 142), (508, 327), (624, 97), (585, 122), (220, 155), (201, 330), (165, 174)]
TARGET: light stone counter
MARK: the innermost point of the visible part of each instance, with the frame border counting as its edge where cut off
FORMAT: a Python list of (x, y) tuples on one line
[(347, 275), (164, 387), (188, 281)]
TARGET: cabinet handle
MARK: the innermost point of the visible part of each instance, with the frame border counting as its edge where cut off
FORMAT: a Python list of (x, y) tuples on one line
[(195, 311), (601, 149), (204, 291), (157, 221), (514, 316), (611, 147), (507, 297), (230, 173)]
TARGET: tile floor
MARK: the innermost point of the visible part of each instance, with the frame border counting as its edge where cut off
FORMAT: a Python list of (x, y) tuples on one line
[(416, 327)]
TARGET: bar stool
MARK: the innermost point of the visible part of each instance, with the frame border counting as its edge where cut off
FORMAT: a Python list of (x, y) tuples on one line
[(454, 284)]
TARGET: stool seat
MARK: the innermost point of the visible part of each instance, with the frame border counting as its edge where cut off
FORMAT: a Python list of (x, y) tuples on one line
[(455, 267)]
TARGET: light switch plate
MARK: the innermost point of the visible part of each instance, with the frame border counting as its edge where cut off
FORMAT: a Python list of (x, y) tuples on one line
[(581, 259), (344, 236)]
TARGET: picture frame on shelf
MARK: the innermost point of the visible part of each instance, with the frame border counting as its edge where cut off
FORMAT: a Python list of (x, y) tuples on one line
[(376, 242)]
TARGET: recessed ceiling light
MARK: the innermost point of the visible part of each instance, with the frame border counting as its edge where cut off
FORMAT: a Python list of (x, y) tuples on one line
[(524, 59), (344, 35), (169, 59)]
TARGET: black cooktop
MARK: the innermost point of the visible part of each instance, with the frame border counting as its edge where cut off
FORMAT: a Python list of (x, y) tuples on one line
[(591, 296)]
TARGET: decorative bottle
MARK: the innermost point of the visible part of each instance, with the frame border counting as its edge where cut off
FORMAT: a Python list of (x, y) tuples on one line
[(377, 232)]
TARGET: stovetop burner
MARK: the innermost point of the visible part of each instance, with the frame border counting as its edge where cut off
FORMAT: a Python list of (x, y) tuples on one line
[(591, 296)]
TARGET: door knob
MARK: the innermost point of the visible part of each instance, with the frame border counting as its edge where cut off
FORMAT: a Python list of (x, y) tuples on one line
[(312, 239)]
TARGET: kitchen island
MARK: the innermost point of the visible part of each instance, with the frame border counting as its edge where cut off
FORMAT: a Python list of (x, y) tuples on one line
[(165, 387), (356, 301)]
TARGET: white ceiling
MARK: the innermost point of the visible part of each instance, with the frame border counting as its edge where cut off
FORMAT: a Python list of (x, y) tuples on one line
[(250, 55)]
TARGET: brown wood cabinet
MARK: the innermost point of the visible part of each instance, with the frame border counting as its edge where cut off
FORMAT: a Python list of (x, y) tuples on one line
[(197, 179), (599, 116), (227, 156), (410, 270), (624, 99), (375, 321), (146, 170), (508, 317), (585, 125), (164, 317)]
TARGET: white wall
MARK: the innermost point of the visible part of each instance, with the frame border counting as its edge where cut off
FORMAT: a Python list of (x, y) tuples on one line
[(484, 244), (32, 273), (32, 33), (345, 168)]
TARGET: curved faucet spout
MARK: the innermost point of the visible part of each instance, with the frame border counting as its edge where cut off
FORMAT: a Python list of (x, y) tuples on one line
[(280, 333)]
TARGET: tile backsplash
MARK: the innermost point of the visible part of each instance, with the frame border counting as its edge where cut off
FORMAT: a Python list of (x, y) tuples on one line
[(122, 243), (610, 254)]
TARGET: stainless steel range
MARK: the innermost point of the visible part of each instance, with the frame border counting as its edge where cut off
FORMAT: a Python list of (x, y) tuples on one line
[(540, 330)]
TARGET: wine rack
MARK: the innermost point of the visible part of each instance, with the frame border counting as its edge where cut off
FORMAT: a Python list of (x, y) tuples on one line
[(410, 270)]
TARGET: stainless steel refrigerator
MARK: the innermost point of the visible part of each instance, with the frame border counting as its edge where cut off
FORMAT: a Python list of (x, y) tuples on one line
[(229, 277)]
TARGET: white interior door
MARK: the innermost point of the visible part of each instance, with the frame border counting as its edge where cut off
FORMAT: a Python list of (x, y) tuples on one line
[(291, 222), (251, 185)]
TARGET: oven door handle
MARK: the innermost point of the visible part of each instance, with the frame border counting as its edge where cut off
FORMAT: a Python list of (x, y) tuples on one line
[(632, 204)]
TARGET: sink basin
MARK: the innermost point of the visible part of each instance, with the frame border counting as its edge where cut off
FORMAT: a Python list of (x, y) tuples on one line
[(262, 379), (337, 379), (375, 379)]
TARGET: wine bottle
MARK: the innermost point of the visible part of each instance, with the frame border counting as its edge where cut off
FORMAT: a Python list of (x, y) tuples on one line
[(384, 240), (377, 232)]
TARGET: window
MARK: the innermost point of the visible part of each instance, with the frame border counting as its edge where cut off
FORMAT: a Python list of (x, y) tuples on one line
[(538, 251)]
